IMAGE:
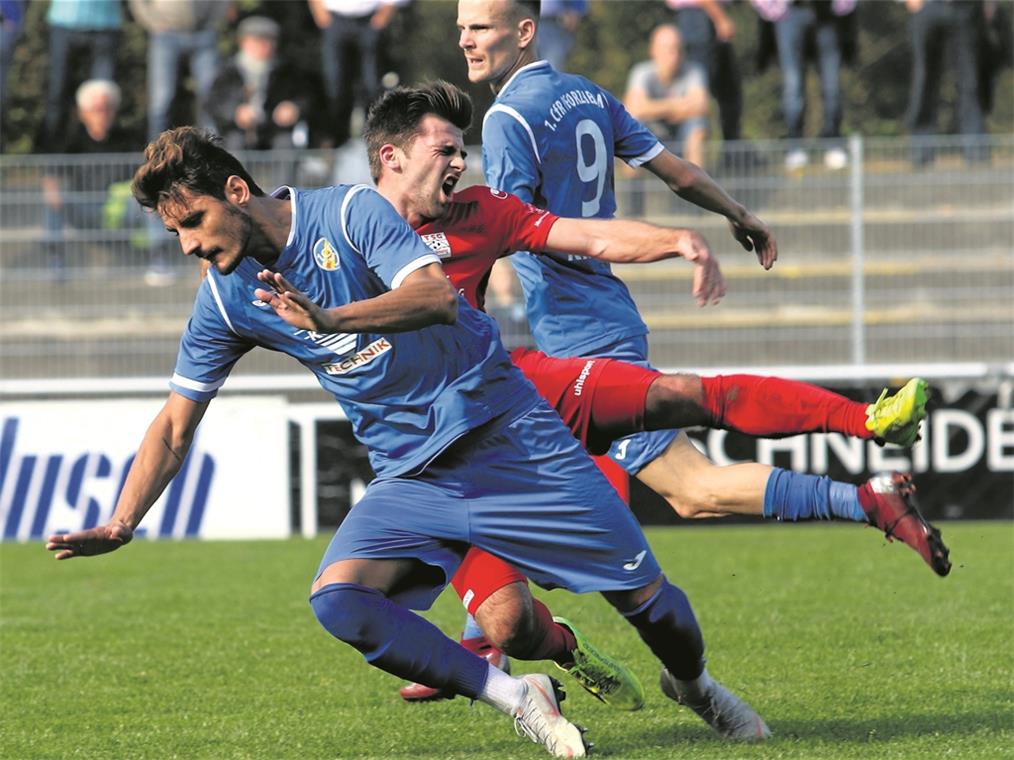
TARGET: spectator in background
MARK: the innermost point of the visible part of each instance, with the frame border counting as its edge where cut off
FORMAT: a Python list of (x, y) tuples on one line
[(77, 26), (12, 19), (350, 54), (827, 24), (558, 24), (707, 31), (669, 94), (944, 31), (179, 29), (78, 193), (258, 100)]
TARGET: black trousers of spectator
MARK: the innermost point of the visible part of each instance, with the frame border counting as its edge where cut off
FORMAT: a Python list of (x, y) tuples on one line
[(718, 59), (351, 47), (940, 31)]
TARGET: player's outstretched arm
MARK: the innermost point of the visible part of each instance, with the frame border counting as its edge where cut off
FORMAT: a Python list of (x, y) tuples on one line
[(621, 241), (158, 459), (693, 184), (424, 298)]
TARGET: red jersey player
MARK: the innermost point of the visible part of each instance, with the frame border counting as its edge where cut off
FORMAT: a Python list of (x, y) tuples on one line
[(414, 139)]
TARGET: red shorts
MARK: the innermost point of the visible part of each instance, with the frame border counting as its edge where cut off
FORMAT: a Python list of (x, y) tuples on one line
[(600, 400), (479, 575)]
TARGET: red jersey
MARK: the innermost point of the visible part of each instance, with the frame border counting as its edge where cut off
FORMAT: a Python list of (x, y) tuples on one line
[(480, 226)]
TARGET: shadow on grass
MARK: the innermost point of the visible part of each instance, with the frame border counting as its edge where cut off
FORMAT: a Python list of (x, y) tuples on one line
[(898, 726), (859, 730)]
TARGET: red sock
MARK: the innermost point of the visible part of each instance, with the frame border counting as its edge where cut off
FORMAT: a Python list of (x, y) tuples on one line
[(557, 642), (774, 407)]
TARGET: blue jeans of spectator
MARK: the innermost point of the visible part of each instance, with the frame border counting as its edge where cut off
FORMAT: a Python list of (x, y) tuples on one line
[(554, 42), (8, 37), (84, 214), (63, 43), (791, 33), (165, 50), (348, 40)]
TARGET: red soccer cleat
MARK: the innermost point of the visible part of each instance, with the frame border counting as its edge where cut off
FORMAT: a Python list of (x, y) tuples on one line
[(417, 692), (888, 499)]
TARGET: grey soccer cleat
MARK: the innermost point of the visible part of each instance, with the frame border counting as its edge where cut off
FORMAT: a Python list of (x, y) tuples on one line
[(730, 716)]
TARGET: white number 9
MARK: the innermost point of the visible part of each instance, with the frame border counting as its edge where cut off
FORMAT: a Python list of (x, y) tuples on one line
[(595, 171)]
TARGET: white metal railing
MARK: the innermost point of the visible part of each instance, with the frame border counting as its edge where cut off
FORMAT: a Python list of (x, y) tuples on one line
[(882, 262)]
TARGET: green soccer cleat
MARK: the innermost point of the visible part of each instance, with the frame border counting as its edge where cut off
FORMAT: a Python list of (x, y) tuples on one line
[(895, 419), (602, 676)]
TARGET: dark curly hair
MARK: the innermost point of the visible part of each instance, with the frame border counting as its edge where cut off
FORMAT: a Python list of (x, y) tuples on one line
[(186, 158), (395, 116)]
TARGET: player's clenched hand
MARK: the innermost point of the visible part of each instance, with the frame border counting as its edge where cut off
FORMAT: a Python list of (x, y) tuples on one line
[(291, 304), (709, 282), (755, 236), (86, 543)]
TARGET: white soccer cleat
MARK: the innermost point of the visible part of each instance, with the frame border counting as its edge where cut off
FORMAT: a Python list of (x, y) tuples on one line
[(730, 716), (539, 718)]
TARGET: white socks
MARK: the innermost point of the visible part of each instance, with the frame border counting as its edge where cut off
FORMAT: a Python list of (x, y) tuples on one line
[(502, 691)]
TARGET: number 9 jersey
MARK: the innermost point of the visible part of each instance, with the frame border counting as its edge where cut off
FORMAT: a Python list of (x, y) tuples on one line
[(550, 138)]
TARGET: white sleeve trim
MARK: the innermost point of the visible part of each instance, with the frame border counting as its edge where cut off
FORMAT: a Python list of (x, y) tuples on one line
[(646, 157), (344, 211), (410, 267), (520, 120), (194, 385), (218, 302)]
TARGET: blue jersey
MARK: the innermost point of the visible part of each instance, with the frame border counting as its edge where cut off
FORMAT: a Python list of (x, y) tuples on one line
[(550, 138), (408, 395)]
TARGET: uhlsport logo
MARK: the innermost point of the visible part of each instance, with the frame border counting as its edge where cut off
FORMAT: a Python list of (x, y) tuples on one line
[(325, 255), (45, 492)]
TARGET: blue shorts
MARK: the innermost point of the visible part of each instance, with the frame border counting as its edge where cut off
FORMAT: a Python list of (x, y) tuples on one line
[(524, 490), (633, 452)]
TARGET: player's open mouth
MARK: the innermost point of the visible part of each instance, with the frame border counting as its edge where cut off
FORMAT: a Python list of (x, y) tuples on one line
[(449, 185)]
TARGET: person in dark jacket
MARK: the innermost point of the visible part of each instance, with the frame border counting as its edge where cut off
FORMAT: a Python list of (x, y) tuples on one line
[(257, 101)]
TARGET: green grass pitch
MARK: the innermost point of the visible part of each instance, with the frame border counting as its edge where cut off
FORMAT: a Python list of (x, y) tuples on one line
[(849, 648)]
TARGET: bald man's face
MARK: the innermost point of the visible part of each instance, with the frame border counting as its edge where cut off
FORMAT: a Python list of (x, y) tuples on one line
[(488, 36), (665, 52)]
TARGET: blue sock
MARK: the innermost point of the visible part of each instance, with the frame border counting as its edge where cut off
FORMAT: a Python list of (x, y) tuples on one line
[(396, 640), (472, 629), (667, 625), (797, 496)]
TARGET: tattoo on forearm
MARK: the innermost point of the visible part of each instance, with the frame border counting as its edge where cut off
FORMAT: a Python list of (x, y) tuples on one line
[(169, 448)]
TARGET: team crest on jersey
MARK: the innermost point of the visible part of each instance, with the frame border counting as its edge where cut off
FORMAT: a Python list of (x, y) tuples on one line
[(325, 255), (438, 243), (497, 193)]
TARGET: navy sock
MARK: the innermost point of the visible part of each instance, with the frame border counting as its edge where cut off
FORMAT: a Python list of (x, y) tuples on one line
[(797, 496), (667, 625), (396, 640)]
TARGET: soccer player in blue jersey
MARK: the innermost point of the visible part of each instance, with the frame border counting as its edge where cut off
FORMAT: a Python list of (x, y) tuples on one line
[(551, 138), (464, 449)]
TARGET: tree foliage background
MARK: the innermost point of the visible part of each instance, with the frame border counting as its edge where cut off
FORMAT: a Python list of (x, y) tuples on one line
[(422, 44)]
